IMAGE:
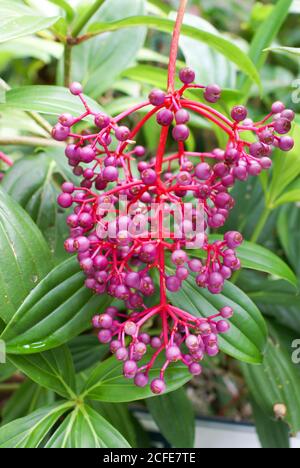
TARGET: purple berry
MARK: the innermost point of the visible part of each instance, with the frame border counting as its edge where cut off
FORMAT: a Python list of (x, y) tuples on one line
[(60, 133), (182, 116), (223, 326), (179, 257), (130, 328), (278, 107), (122, 133), (139, 151), (165, 117), (195, 369), (102, 120), (158, 386), (239, 113), (180, 133), (130, 369), (76, 88), (157, 97), (110, 174), (133, 280), (212, 93), (282, 126), (286, 143), (288, 114), (149, 177), (233, 239), (105, 336), (141, 380), (66, 120), (226, 312), (65, 200), (173, 283), (203, 171), (187, 75)]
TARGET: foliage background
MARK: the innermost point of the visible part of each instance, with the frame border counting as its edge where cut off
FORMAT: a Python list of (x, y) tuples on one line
[(53, 380)]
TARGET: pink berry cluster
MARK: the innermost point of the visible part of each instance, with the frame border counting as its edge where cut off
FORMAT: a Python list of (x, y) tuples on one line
[(116, 250)]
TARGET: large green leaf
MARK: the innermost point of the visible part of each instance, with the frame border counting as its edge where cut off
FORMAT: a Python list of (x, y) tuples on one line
[(288, 226), (58, 309), (51, 369), (286, 169), (265, 35), (256, 257), (25, 257), (173, 413), (51, 100), (122, 419), (17, 20), (224, 46), (27, 399), (246, 339), (85, 428), (87, 351), (98, 62), (272, 434), (35, 182), (275, 385), (30, 431), (31, 46), (107, 383)]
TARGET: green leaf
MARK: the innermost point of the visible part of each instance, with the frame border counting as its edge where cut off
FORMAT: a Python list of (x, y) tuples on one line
[(107, 56), (51, 100), (285, 50), (247, 337), (255, 257), (66, 7), (30, 431), (289, 197), (17, 20), (122, 419), (85, 428), (214, 67), (58, 309), (224, 46), (107, 383), (264, 37), (277, 381), (32, 46), (25, 258), (6, 371), (172, 413), (272, 434), (35, 183), (27, 399), (286, 169), (51, 369), (288, 226), (87, 351)]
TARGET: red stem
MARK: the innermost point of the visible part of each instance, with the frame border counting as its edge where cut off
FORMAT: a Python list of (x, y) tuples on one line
[(175, 46), (6, 159)]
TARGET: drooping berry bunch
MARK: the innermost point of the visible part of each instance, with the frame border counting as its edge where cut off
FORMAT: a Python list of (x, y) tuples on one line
[(121, 249)]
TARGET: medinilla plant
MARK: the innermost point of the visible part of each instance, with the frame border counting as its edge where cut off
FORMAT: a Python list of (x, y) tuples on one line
[(146, 193)]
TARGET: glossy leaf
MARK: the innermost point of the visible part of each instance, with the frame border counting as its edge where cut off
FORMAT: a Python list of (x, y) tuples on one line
[(27, 399), (17, 20), (51, 369), (31, 46), (173, 413), (99, 61), (35, 183), (85, 428), (272, 434), (106, 382), (65, 5), (87, 351), (294, 51), (25, 258), (246, 339), (289, 197), (30, 431), (224, 46), (123, 419), (256, 257), (60, 308), (277, 381), (51, 100)]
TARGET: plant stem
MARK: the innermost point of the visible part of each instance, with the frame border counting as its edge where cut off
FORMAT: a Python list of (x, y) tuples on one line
[(6, 159), (10, 387), (86, 17), (261, 224), (43, 123), (67, 65), (30, 141), (175, 45)]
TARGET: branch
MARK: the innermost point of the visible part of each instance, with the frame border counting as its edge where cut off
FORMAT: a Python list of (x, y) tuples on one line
[(86, 17)]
